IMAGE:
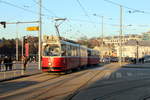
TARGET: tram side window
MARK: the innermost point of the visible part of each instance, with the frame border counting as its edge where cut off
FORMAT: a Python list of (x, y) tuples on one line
[(69, 50), (77, 50), (93, 53), (81, 52), (89, 53), (84, 52), (73, 51), (63, 50)]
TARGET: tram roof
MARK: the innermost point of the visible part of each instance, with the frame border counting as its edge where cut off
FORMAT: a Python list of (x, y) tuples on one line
[(56, 39)]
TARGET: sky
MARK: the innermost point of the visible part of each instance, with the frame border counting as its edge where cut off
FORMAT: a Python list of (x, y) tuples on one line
[(79, 14)]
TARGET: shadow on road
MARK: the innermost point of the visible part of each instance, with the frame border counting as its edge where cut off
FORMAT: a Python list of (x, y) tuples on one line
[(13, 86)]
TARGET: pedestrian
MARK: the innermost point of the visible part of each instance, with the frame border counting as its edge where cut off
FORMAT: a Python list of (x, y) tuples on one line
[(142, 60), (25, 61), (10, 63), (0, 64), (6, 63)]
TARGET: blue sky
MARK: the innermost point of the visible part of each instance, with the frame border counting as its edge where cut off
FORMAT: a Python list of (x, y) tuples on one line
[(78, 24)]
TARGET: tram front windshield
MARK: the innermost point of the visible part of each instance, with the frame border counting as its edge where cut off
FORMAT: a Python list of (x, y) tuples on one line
[(51, 50)]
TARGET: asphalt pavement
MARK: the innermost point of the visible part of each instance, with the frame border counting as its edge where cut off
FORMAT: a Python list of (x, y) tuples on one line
[(138, 65), (108, 82)]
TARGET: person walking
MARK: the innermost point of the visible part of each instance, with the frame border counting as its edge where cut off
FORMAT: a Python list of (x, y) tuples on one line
[(6, 63), (25, 61), (0, 64), (10, 63)]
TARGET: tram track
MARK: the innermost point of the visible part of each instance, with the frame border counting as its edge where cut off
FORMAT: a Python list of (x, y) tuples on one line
[(40, 78), (122, 83), (81, 87), (132, 84), (47, 88), (58, 84), (117, 92), (37, 90), (76, 91)]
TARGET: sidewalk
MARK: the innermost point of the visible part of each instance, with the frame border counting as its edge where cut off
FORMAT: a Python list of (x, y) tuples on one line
[(17, 72), (139, 65)]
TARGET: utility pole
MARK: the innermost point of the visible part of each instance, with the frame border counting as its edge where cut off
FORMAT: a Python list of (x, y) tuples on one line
[(40, 32), (137, 52), (17, 51), (120, 46), (102, 33), (22, 72)]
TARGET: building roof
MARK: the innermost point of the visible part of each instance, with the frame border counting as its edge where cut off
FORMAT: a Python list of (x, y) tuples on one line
[(140, 43)]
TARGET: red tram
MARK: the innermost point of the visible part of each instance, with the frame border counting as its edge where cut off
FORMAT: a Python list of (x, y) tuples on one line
[(61, 55)]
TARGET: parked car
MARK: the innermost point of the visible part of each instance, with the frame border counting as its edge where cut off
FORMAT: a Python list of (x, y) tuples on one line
[(147, 59), (114, 59)]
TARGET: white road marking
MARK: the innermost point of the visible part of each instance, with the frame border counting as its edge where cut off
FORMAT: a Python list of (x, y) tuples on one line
[(107, 75), (100, 68), (118, 75), (129, 74)]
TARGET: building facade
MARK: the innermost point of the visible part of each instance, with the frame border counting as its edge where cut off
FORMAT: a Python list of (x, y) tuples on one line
[(115, 40), (134, 49)]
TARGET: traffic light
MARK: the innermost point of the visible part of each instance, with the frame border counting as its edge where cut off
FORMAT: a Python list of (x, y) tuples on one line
[(3, 23), (25, 40)]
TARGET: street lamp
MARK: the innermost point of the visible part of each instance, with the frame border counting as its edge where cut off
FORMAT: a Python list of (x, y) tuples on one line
[(102, 29), (40, 33), (120, 46), (137, 51)]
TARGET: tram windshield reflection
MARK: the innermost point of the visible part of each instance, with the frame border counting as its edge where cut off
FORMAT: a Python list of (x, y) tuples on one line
[(51, 50)]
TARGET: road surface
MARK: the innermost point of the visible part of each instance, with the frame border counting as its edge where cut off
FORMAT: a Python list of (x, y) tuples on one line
[(110, 82)]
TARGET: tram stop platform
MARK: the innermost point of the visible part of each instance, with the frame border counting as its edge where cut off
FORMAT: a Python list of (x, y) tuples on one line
[(18, 72)]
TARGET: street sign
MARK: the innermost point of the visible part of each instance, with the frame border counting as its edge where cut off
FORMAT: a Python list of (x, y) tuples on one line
[(33, 28)]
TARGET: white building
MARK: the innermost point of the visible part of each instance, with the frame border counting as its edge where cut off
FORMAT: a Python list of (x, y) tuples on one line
[(134, 49), (115, 40)]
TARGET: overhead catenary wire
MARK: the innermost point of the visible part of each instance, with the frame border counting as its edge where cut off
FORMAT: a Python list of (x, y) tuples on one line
[(69, 20), (86, 21), (48, 10), (16, 6), (124, 6), (22, 8), (84, 10)]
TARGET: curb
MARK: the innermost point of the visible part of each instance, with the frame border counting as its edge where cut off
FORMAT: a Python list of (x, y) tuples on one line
[(18, 77), (135, 66)]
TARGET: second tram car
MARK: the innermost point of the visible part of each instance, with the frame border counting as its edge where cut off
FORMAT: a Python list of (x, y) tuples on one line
[(93, 57), (61, 55)]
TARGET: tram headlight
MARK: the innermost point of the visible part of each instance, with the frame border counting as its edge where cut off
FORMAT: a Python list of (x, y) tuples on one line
[(49, 63)]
